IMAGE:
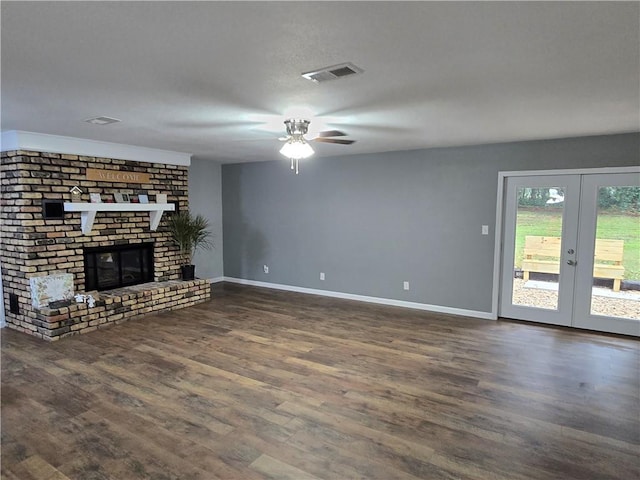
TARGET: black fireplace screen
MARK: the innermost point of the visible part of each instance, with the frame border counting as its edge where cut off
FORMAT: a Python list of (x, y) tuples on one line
[(117, 266)]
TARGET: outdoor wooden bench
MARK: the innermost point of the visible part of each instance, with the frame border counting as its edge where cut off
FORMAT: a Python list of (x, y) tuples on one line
[(542, 255)]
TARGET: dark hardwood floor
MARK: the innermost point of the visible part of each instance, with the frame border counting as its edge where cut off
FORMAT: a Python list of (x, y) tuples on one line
[(262, 384)]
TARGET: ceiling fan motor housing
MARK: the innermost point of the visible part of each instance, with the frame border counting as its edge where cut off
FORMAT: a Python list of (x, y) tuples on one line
[(297, 127)]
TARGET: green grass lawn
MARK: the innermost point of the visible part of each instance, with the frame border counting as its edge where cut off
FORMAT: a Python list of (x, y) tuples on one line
[(612, 226)]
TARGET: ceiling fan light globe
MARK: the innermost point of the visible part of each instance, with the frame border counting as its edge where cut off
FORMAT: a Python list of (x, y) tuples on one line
[(305, 150), (296, 149), (287, 149)]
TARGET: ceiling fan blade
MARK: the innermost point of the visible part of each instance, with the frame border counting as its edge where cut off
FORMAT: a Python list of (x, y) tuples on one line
[(331, 133), (334, 140)]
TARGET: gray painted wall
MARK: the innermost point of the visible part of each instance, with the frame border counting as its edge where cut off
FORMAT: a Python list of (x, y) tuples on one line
[(205, 197), (371, 222)]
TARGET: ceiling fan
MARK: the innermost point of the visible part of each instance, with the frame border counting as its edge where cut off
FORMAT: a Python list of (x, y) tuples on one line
[(297, 146)]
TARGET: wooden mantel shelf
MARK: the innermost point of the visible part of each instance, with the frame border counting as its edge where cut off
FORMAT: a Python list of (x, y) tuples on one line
[(88, 211)]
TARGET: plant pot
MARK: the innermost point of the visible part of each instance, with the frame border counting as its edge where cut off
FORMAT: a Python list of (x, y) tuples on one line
[(188, 272)]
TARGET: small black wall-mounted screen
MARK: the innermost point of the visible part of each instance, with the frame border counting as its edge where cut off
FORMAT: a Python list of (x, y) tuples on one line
[(53, 209)]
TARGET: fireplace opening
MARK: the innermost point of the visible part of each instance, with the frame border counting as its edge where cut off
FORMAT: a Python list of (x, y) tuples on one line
[(116, 266)]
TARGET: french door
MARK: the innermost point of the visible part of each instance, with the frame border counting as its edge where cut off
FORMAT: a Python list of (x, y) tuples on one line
[(571, 251)]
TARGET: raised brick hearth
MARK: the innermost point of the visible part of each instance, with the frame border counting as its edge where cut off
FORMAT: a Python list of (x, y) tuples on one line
[(120, 305), (32, 246)]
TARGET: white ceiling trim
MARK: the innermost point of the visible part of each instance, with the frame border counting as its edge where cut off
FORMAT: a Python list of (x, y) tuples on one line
[(41, 142)]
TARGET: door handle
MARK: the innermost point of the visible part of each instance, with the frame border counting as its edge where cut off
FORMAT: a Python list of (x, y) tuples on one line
[(573, 263)]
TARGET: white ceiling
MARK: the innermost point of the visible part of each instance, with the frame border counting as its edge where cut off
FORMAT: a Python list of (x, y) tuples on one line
[(213, 78)]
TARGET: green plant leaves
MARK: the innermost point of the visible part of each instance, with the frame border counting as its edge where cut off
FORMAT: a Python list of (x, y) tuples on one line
[(190, 232)]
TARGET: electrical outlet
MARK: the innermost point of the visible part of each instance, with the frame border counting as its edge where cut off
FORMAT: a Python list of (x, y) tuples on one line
[(406, 285), (321, 275), (265, 268)]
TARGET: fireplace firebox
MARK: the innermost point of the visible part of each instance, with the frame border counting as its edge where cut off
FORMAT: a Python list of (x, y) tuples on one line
[(116, 266)]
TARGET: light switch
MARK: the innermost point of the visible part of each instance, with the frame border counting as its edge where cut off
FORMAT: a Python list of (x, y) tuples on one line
[(485, 229)]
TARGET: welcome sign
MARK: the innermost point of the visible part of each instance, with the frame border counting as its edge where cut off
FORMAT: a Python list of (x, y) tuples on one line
[(116, 176)]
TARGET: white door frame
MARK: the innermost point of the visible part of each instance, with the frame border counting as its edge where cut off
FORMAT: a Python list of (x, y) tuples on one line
[(497, 249)]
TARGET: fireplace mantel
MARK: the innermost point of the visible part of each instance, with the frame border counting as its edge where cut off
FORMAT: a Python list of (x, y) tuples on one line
[(88, 211)]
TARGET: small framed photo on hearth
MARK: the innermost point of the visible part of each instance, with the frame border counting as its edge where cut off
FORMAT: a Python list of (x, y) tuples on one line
[(95, 198), (143, 198), (134, 198)]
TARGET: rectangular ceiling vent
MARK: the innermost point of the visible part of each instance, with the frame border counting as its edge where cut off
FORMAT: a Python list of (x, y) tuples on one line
[(333, 72), (101, 120)]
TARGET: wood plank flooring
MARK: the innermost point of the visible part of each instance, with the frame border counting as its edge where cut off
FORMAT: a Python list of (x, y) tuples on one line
[(263, 384)]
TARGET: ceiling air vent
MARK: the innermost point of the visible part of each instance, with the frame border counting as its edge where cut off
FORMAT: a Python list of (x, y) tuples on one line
[(102, 120), (331, 73)]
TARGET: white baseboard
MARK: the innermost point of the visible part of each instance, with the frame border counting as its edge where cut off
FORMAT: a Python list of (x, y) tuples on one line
[(364, 298), (216, 280)]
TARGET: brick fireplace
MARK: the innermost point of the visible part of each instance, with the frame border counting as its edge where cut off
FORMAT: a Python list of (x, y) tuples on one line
[(31, 245)]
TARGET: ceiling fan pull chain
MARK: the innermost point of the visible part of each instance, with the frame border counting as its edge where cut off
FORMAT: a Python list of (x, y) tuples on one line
[(294, 164)]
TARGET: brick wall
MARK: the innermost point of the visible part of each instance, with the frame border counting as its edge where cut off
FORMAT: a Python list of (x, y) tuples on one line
[(31, 245)]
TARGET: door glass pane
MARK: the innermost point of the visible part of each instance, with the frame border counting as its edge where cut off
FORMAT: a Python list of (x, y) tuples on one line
[(537, 249), (616, 268)]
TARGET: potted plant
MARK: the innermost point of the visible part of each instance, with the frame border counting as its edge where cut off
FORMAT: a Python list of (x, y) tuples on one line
[(189, 232)]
